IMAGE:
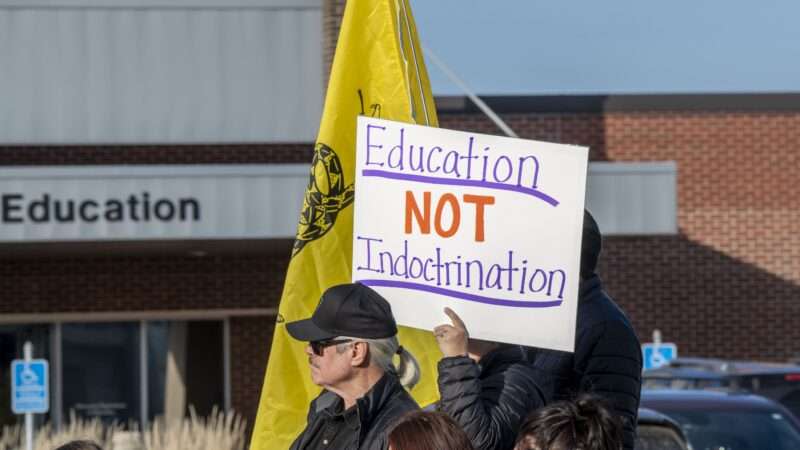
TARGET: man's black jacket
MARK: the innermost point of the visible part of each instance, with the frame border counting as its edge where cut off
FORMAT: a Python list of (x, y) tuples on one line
[(489, 400), (378, 409), (607, 359)]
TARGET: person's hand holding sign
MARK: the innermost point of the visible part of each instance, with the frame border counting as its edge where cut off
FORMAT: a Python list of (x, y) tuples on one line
[(452, 339)]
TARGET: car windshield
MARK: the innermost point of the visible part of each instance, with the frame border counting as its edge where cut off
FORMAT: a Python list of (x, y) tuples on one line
[(655, 437), (744, 430)]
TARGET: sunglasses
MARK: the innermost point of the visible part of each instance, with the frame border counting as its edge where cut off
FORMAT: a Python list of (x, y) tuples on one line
[(318, 347)]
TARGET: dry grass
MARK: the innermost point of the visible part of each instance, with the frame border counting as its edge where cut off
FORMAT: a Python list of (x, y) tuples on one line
[(219, 431), (13, 438), (93, 430), (9, 438)]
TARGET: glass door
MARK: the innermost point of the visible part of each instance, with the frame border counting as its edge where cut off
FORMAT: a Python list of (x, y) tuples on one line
[(101, 371)]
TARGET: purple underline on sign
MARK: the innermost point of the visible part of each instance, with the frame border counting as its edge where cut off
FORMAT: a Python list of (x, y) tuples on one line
[(458, 182), (461, 295)]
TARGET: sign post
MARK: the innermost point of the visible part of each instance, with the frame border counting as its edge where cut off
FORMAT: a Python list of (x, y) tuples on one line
[(29, 389), (656, 354)]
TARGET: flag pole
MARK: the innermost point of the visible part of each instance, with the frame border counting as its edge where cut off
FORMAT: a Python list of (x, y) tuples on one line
[(475, 99)]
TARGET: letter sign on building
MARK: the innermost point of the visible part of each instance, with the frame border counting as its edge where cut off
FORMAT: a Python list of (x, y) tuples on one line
[(95, 203)]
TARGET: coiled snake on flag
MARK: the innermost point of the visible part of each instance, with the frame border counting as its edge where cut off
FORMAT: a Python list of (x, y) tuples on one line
[(326, 195)]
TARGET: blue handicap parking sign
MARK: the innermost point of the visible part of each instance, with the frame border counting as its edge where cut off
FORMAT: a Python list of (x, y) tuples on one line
[(29, 387), (659, 355)]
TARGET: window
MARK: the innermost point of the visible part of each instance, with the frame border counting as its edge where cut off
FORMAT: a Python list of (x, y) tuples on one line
[(185, 367), (101, 371), (633, 198), (132, 371)]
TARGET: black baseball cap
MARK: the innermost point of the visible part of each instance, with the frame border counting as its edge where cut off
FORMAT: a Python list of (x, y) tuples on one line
[(349, 309)]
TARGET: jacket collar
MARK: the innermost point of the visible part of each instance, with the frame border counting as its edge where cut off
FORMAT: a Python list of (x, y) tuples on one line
[(504, 355), (588, 285), (368, 406)]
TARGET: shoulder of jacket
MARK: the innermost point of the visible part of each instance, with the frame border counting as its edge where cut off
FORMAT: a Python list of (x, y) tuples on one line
[(324, 401)]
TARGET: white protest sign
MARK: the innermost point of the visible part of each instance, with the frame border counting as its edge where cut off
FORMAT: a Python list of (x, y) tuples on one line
[(488, 226)]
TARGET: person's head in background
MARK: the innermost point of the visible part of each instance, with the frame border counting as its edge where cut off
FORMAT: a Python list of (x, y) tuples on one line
[(585, 423), (591, 245), (80, 445), (427, 430)]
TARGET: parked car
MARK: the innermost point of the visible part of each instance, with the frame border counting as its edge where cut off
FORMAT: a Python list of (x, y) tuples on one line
[(655, 431), (779, 382), (716, 420)]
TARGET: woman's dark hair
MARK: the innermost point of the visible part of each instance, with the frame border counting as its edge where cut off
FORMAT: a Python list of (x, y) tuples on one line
[(428, 430), (585, 423), (80, 445)]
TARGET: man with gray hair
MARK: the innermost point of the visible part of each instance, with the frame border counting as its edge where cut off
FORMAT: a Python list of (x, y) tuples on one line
[(352, 340)]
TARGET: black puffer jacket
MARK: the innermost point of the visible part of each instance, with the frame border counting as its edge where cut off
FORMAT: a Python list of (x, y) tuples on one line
[(489, 400), (378, 409), (607, 359)]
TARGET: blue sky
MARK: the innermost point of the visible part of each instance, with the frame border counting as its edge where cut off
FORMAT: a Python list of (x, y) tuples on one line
[(614, 46)]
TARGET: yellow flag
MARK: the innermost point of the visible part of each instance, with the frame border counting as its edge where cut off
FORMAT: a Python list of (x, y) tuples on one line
[(377, 71)]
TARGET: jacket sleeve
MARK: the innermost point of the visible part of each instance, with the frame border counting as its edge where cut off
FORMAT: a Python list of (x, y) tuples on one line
[(610, 360), (490, 410)]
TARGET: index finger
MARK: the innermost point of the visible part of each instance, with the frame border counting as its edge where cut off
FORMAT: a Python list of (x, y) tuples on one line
[(457, 322)]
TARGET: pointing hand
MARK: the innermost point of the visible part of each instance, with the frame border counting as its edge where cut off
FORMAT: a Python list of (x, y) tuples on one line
[(452, 339)]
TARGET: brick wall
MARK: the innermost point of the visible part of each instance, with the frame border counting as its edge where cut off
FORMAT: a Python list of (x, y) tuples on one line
[(708, 302), (332, 12), (737, 275), (567, 128), (56, 155), (251, 339), (140, 283), (737, 189)]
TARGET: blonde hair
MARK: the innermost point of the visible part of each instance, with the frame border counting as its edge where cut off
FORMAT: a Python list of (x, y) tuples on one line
[(382, 353)]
